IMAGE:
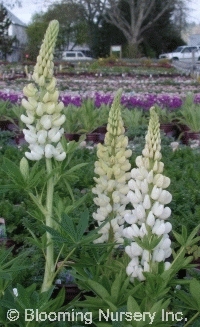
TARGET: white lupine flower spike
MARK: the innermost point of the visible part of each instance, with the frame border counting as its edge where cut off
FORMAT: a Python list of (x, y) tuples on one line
[(44, 116), (111, 185), (148, 197)]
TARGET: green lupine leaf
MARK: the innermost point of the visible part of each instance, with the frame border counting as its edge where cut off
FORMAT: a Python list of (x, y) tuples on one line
[(110, 305), (184, 233), (188, 300), (82, 224), (192, 235), (179, 238), (132, 305), (69, 190), (195, 291), (73, 169), (98, 289), (6, 188), (13, 172), (147, 244), (115, 288)]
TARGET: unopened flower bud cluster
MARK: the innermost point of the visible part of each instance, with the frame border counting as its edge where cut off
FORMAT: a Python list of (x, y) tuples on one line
[(111, 185), (43, 110), (149, 198)]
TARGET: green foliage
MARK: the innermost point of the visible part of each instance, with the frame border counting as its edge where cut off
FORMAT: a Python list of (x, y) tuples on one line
[(88, 117), (71, 124), (10, 267), (184, 186), (29, 298), (190, 114), (4, 107), (135, 122), (165, 115)]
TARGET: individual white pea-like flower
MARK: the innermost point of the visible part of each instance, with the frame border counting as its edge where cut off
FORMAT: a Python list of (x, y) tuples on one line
[(157, 209), (30, 136), (130, 218), (112, 167), (148, 197), (42, 136), (165, 214), (158, 255), (159, 230), (147, 202), (165, 197), (43, 111), (49, 149), (150, 219), (36, 153), (136, 250), (140, 212), (155, 194)]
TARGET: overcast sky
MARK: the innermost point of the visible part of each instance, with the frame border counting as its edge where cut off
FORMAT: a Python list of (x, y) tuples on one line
[(29, 7)]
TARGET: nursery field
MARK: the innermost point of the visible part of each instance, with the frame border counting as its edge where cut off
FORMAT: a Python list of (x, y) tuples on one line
[(99, 195)]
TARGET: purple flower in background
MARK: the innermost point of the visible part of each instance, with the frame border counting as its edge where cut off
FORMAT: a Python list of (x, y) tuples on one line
[(100, 99), (12, 97), (68, 99), (141, 101), (197, 98)]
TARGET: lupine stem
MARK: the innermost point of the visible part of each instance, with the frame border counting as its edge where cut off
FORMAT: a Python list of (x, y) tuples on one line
[(192, 319), (50, 264)]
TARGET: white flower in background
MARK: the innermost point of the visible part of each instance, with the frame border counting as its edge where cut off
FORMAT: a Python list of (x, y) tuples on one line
[(44, 116), (111, 185), (148, 196)]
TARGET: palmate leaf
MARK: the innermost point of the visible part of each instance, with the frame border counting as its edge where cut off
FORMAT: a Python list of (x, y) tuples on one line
[(73, 234), (14, 173), (190, 303)]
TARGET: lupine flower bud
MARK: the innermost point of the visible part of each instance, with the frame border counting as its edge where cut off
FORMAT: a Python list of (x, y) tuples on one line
[(112, 167), (148, 199), (42, 107), (24, 167)]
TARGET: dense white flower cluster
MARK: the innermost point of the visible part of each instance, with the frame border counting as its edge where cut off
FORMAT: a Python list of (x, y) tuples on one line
[(148, 197), (43, 110), (111, 185)]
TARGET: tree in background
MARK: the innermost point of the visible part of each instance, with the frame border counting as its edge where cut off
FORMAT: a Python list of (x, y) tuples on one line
[(162, 35), (73, 27), (6, 42), (135, 17), (35, 33), (133, 21), (142, 27)]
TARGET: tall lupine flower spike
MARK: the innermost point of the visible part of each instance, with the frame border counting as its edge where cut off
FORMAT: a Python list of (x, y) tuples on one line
[(112, 167), (148, 230), (43, 110)]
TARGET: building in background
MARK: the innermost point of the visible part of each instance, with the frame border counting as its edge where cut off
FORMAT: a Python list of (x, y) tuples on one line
[(18, 29)]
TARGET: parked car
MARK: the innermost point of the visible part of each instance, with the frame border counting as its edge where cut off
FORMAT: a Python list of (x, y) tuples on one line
[(184, 53), (74, 55)]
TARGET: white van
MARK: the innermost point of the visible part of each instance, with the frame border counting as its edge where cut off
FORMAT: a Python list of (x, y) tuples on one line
[(74, 55), (185, 53)]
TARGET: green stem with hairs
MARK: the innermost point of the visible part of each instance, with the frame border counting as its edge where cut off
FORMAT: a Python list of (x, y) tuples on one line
[(49, 264), (192, 319)]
